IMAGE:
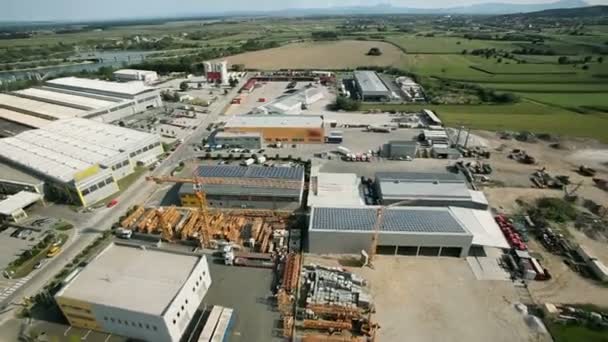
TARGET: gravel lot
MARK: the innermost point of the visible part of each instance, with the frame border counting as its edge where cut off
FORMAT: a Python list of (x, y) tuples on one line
[(439, 299)]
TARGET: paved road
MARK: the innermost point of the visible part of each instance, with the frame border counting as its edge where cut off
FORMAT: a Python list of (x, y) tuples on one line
[(103, 218)]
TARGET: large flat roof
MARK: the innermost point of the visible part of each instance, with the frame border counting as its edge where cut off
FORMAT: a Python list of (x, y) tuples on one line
[(134, 72), (63, 148), (23, 119), (126, 88), (334, 189), (254, 171), (369, 81), (18, 201), (132, 278), (110, 136), (482, 225), (79, 101), (420, 220), (39, 107), (284, 121), (429, 186)]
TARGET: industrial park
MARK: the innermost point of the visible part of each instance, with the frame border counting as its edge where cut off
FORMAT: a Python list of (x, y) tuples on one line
[(240, 203)]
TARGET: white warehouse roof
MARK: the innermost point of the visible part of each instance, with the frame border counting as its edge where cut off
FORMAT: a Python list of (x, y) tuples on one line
[(284, 121), (134, 72), (110, 136), (65, 147), (24, 119), (43, 108), (333, 189), (135, 279), (128, 88), (66, 99), (482, 225), (370, 82), (18, 201)]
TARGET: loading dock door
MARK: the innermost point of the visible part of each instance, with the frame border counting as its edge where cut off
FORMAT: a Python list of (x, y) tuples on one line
[(386, 250), (451, 252), (429, 251)]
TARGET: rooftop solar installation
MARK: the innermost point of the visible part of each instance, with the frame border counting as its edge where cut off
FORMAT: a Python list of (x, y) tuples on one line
[(397, 220), (233, 171)]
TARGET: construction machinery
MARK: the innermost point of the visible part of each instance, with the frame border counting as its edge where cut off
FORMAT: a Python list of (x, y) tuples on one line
[(570, 194), (601, 183), (586, 171)]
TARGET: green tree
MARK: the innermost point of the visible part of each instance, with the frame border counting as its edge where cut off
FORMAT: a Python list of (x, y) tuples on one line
[(600, 59), (563, 60), (345, 103)]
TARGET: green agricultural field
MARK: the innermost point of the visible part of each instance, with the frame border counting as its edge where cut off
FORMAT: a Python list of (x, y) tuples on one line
[(521, 116), (556, 88), (445, 45)]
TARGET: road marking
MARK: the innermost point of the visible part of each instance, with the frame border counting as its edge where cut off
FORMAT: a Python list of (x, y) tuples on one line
[(65, 333), (107, 338), (86, 335)]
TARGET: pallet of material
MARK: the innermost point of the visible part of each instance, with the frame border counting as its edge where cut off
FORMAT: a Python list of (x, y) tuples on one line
[(321, 324), (223, 327), (210, 324), (133, 217)]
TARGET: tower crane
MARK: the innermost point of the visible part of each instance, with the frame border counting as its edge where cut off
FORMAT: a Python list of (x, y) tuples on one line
[(380, 212)]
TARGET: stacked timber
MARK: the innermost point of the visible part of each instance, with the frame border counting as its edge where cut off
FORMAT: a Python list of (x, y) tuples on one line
[(133, 217)]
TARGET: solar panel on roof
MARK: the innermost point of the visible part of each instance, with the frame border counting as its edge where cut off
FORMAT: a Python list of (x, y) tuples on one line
[(395, 220), (232, 171)]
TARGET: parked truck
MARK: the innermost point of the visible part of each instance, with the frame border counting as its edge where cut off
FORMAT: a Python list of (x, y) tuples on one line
[(261, 160), (248, 162)]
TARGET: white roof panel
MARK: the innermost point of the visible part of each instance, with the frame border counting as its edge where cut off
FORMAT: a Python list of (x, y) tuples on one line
[(369, 81), (134, 72), (18, 201), (132, 278), (24, 119), (128, 88), (334, 189), (42, 108), (482, 225), (68, 99)]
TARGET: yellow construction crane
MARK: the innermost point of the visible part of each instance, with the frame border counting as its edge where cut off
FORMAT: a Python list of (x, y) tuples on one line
[(376, 231)]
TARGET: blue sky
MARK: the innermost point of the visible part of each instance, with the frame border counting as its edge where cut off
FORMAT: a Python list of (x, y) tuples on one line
[(74, 10)]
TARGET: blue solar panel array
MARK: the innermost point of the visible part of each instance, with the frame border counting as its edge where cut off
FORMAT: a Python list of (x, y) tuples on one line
[(420, 176), (233, 171), (395, 220)]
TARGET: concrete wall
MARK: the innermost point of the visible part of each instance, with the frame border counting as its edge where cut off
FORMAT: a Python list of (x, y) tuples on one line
[(183, 307), (132, 324), (190, 200), (352, 242), (244, 142), (101, 192)]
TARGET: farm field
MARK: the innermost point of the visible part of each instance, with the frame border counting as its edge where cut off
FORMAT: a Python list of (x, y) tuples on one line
[(319, 55), (444, 45), (523, 116)]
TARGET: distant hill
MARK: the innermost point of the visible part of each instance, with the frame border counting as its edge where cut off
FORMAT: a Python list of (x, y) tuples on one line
[(496, 8), (590, 11)]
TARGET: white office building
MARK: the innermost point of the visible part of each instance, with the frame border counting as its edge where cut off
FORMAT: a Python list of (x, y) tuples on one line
[(140, 293), (126, 75)]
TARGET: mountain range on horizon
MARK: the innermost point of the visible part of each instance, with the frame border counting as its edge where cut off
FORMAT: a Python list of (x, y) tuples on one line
[(489, 8)]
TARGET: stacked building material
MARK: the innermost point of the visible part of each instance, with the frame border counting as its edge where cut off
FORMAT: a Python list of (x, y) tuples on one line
[(133, 217), (333, 286)]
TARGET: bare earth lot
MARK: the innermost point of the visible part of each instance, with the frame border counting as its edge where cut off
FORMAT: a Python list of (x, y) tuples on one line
[(321, 55), (439, 299)]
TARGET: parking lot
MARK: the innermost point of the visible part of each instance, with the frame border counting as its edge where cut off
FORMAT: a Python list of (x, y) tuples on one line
[(422, 298), (269, 91)]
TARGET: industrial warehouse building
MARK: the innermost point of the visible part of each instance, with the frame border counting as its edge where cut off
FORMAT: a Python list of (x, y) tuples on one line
[(247, 187), (424, 231), (292, 103), (428, 189), (136, 292), (250, 140), (405, 231), (370, 86), (396, 149), (70, 97), (280, 128), (127, 75), (79, 160)]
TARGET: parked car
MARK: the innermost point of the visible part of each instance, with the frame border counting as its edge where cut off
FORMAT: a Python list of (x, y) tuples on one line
[(112, 203), (39, 264)]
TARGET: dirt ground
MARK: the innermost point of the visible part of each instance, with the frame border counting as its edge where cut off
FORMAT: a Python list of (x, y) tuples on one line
[(322, 55), (566, 286), (439, 299)]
